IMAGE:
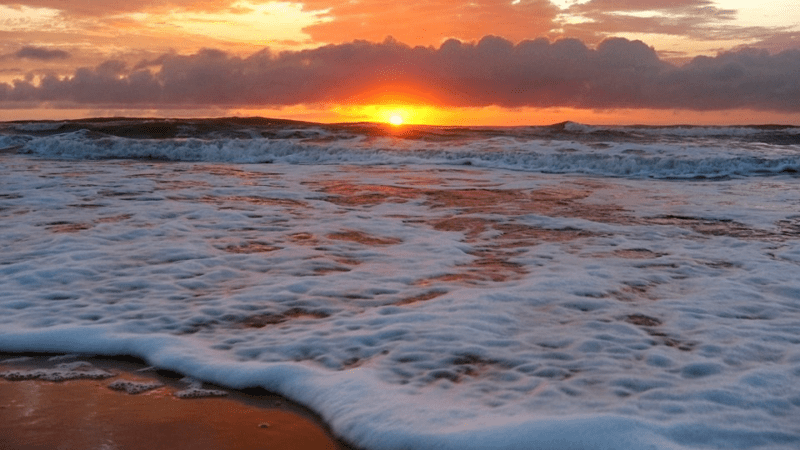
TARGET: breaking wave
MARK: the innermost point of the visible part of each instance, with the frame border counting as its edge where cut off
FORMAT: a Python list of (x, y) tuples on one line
[(636, 152)]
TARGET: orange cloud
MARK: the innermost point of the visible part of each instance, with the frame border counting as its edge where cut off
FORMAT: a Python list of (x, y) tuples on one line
[(94, 30), (432, 22), (97, 8)]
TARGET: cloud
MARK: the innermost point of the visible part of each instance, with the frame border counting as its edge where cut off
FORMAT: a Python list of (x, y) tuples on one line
[(696, 19), (97, 8), (778, 41), (641, 5), (431, 22), (42, 54), (747, 78), (618, 73)]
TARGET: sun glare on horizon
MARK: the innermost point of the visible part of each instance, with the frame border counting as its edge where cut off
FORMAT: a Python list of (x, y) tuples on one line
[(394, 115), (396, 119)]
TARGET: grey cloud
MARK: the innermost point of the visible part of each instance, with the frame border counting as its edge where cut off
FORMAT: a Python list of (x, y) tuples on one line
[(618, 73), (40, 53), (778, 40), (741, 79), (642, 5), (697, 19)]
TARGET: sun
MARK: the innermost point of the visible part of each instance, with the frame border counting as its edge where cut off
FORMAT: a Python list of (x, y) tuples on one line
[(395, 116)]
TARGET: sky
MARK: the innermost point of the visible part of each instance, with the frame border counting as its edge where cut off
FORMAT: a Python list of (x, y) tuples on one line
[(481, 62)]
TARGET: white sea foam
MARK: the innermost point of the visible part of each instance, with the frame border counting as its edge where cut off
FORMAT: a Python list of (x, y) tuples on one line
[(195, 390), (79, 370), (133, 387), (683, 131), (422, 305)]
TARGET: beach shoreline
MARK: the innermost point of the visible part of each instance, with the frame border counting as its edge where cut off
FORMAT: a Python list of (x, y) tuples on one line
[(93, 410), (456, 289)]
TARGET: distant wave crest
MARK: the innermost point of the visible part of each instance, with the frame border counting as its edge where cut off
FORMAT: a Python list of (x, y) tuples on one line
[(639, 152)]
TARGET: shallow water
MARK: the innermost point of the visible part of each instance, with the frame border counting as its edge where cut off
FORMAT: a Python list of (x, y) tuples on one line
[(418, 302)]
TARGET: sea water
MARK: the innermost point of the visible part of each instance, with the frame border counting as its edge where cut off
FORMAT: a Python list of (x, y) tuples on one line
[(561, 287)]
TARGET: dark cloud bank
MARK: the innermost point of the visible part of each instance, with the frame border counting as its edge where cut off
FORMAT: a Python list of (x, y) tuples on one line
[(617, 74), (42, 54)]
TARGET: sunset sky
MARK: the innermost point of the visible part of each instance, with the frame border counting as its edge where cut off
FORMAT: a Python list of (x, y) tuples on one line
[(493, 62)]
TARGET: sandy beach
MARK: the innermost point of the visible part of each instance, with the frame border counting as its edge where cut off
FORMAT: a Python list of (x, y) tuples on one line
[(85, 413)]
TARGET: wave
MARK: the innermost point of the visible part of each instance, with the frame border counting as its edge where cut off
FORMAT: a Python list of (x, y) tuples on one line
[(689, 130), (238, 127), (637, 151)]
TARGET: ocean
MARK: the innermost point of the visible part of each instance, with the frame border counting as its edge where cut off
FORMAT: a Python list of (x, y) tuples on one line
[(554, 287)]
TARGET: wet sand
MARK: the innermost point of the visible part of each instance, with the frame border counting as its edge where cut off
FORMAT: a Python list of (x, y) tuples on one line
[(87, 414)]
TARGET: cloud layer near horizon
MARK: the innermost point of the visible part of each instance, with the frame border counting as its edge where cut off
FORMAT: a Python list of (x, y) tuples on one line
[(618, 73)]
